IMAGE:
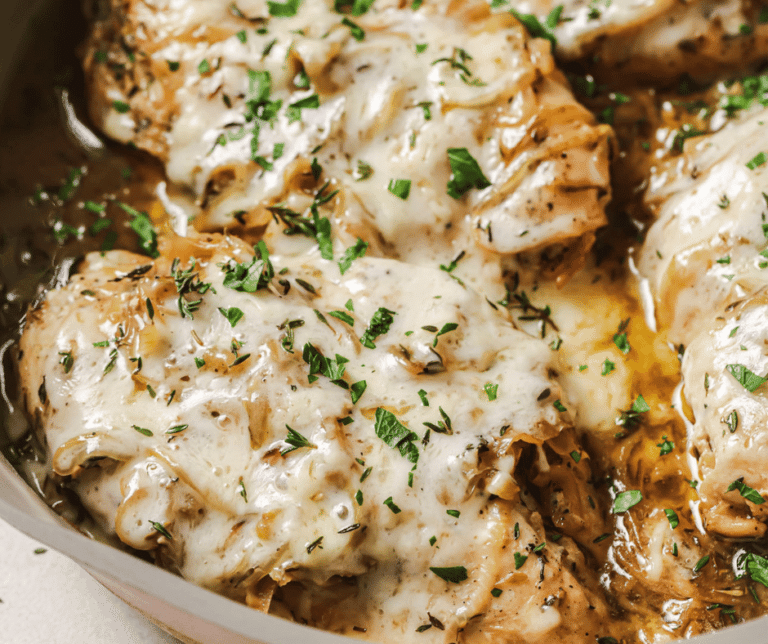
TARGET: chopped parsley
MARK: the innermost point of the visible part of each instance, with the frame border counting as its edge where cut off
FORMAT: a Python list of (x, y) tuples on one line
[(666, 446), (759, 159), (363, 171), (141, 224), (296, 441), (701, 563), (746, 492), (491, 390), (354, 29), (632, 416), (520, 559), (392, 506), (626, 500), (380, 323), (143, 430), (536, 28), (286, 9), (400, 188), (396, 435), (332, 368), (750, 381), (187, 281), (466, 173), (446, 328), (294, 109), (355, 7), (121, 107), (757, 568), (620, 338), (356, 251), (356, 390), (608, 366), (66, 360), (452, 574), (672, 518), (249, 277), (233, 314)]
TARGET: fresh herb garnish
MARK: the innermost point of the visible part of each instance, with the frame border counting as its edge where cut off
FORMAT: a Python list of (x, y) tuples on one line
[(466, 173), (453, 574), (296, 441), (249, 277), (159, 527), (352, 253), (491, 390), (396, 435), (233, 314), (750, 381), (746, 492), (143, 430), (672, 518), (286, 9), (400, 188), (626, 500), (666, 446), (392, 506), (632, 416), (380, 323)]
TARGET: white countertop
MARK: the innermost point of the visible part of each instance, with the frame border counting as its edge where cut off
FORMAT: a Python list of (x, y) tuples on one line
[(47, 599)]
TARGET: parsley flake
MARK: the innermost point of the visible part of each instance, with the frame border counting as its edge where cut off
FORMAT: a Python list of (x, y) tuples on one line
[(396, 435), (491, 390), (233, 314), (400, 188), (380, 323), (750, 381), (672, 518), (466, 173), (746, 492), (759, 159), (626, 500), (296, 441), (452, 574)]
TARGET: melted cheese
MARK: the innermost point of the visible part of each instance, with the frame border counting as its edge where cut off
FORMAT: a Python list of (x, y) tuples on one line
[(704, 248), (655, 38), (239, 507), (416, 85), (729, 432)]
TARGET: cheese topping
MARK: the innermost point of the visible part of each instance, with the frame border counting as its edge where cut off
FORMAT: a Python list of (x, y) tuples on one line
[(428, 120), (303, 428)]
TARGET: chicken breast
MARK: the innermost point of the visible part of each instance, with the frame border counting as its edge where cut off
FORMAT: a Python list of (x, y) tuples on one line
[(439, 125), (724, 368), (345, 443), (705, 258), (654, 41), (705, 248)]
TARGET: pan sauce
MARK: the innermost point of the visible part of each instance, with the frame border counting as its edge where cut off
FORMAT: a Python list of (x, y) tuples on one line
[(647, 588)]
